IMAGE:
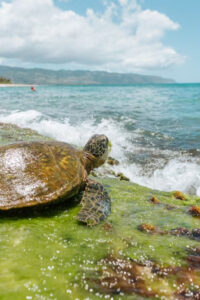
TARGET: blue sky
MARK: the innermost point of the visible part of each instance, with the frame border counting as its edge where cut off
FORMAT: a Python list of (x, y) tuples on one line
[(187, 39), (158, 37)]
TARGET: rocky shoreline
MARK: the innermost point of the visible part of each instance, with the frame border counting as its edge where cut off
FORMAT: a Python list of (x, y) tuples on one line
[(149, 246)]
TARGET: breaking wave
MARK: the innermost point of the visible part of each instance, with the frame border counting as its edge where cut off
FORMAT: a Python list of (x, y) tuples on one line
[(149, 166)]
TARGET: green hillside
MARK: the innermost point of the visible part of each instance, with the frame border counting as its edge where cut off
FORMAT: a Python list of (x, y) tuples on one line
[(42, 76)]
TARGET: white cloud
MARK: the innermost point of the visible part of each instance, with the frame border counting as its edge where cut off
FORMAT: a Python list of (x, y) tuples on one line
[(36, 31)]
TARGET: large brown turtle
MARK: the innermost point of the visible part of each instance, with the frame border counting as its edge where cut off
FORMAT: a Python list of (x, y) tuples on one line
[(36, 173)]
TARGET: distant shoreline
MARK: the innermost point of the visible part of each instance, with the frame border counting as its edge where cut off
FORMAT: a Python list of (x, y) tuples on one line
[(77, 77), (15, 84)]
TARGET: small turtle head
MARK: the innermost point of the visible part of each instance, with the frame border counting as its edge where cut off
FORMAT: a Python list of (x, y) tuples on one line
[(98, 147)]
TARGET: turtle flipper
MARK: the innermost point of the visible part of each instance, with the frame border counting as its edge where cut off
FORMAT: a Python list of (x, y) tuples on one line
[(96, 204)]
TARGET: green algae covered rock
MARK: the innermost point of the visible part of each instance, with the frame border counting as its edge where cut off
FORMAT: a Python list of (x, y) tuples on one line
[(10, 133), (47, 254)]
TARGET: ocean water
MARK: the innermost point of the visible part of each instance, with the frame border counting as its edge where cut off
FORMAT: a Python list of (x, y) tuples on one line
[(154, 129)]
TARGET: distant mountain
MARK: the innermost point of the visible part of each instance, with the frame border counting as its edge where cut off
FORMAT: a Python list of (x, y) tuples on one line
[(42, 76)]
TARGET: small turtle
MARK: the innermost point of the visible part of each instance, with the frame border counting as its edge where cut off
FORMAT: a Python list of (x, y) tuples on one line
[(36, 173)]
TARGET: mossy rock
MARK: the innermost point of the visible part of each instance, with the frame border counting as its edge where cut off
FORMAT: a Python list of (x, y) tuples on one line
[(47, 254), (10, 133)]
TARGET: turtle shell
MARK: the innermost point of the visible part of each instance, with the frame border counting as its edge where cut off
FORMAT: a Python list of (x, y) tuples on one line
[(36, 173)]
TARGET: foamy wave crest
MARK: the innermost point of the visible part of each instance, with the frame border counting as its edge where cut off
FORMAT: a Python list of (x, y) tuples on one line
[(76, 134), (175, 175), (21, 118)]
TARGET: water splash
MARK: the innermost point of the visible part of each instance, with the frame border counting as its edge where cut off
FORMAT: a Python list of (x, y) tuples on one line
[(144, 164)]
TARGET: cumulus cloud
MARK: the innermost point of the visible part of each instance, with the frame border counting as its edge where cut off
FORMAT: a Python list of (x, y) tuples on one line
[(123, 38)]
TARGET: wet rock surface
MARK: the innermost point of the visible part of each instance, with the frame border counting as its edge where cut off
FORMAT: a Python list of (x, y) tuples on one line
[(179, 195), (119, 276), (48, 255), (180, 231), (195, 211), (112, 161), (154, 200), (121, 176), (147, 228)]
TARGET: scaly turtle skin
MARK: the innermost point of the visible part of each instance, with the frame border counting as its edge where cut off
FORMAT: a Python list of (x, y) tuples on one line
[(35, 173)]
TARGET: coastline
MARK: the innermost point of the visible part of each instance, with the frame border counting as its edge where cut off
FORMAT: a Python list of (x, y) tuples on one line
[(15, 84)]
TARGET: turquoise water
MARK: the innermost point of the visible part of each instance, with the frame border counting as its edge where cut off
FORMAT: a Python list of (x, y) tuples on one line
[(154, 129)]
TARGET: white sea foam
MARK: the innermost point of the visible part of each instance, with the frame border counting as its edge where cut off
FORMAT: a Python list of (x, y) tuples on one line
[(21, 118), (179, 173), (77, 134), (175, 175)]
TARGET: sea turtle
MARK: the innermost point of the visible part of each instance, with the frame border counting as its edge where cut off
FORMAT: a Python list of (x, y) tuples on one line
[(40, 172)]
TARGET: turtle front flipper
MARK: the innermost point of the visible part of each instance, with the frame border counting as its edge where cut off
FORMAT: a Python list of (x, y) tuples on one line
[(96, 204)]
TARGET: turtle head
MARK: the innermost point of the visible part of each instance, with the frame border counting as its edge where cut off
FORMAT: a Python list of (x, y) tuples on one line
[(98, 147)]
